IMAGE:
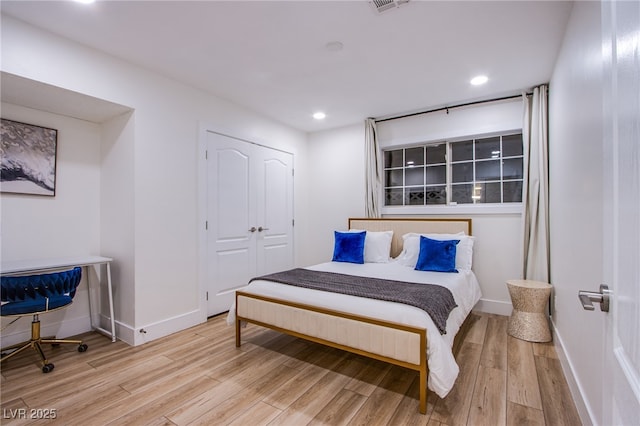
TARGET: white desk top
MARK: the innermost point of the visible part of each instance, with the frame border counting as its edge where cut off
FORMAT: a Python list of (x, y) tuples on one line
[(33, 265)]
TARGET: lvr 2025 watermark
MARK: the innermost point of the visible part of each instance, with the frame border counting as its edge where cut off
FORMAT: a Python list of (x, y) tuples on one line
[(29, 413)]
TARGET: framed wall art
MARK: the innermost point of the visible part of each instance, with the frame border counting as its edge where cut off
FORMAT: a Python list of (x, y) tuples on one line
[(28, 158)]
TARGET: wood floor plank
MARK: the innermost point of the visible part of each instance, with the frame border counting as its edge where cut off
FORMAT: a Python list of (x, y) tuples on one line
[(494, 351), (340, 409), (117, 404), (160, 421), (289, 391), (477, 328), (546, 350), (68, 390), (557, 404), (29, 378), (488, 405), (370, 374), (75, 409), (259, 389), (198, 376), (383, 402), (150, 395), (185, 399), (260, 414), (273, 350), (236, 403), (115, 360), (522, 387), (406, 413), (524, 416), (193, 348), (256, 364), (311, 402), (216, 327), (454, 409), (155, 375)]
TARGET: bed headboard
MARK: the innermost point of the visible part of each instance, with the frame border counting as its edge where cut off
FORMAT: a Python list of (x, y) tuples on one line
[(401, 226)]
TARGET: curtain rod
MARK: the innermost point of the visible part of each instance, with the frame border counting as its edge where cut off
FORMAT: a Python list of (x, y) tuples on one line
[(449, 107)]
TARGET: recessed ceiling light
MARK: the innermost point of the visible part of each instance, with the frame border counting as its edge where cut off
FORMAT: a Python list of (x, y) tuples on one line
[(85, 1), (319, 115), (334, 46), (478, 80)]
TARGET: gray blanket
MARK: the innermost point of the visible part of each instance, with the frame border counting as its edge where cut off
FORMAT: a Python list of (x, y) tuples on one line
[(435, 300)]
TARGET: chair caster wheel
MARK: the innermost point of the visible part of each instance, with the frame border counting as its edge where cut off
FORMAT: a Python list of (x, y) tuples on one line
[(82, 348), (47, 368)]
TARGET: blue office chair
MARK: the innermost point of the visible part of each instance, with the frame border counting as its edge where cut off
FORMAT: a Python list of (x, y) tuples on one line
[(35, 295)]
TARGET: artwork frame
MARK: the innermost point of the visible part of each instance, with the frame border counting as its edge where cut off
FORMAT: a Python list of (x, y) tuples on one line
[(28, 157)]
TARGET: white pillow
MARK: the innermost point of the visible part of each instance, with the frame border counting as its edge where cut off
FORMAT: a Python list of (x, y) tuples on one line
[(411, 249), (377, 246)]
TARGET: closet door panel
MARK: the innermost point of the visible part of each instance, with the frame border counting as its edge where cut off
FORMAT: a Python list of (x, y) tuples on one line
[(275, 241), (231, 247)]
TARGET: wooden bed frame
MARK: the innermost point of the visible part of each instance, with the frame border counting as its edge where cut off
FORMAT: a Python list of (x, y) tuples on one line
[(391, 342)]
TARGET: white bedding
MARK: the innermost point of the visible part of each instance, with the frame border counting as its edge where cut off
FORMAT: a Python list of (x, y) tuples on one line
[(443, 369)]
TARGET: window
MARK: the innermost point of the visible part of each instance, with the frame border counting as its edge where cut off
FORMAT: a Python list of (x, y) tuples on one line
[(486, 170)]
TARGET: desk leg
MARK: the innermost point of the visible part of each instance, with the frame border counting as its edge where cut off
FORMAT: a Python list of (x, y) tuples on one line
[(112, 316), (86, 274), (111, 333)]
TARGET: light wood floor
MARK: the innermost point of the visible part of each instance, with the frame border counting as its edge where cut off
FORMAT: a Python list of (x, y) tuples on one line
[(198, 376)]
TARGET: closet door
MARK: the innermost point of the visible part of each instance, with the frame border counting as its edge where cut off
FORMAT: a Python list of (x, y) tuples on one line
[(274, 211), (250, 215)]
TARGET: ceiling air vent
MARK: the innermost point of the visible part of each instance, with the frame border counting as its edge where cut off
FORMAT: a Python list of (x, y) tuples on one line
[(383, 5)]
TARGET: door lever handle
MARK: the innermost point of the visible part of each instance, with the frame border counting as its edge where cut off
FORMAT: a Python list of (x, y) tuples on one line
[(260, 229), (587, 298), (253, 229)]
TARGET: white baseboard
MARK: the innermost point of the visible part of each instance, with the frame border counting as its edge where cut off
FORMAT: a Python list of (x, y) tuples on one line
[(140, 335), (584, 411), (126, 333), (497, 307)]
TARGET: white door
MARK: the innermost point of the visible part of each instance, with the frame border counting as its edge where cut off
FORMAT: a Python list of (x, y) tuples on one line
[(249, 215), (621, 49), (274, 211)]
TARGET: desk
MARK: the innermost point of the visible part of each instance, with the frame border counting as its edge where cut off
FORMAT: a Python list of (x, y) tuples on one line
[(528, 320), (23, 267)]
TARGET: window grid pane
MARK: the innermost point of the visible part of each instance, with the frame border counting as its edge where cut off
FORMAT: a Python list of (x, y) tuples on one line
[(477, 171)]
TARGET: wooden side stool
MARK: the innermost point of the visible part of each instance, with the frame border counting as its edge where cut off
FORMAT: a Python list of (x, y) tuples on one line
[(528, 320)]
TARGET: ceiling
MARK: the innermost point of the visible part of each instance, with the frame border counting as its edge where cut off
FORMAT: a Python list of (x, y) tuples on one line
[(279, 58)]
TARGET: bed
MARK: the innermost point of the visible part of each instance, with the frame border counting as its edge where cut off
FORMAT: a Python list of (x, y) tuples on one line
[(381, 329)]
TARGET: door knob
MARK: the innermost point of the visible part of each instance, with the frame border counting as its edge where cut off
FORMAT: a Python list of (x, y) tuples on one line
[(587, 298), (252, 229)]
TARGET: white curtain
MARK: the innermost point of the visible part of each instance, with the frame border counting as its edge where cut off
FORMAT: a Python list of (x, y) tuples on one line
[(535, 194), (373, 170)]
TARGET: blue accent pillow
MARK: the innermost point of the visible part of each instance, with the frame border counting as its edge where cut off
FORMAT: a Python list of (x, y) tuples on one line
[(438, 256), (349, 247)]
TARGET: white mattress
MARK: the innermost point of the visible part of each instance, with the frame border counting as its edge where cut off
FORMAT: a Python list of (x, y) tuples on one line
[(443, 369)]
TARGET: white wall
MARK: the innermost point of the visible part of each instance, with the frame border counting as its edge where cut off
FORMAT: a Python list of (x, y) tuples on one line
[(576, 213), (470, 120), (65, 225), (154, 181), (117, 224), (336, 187)]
